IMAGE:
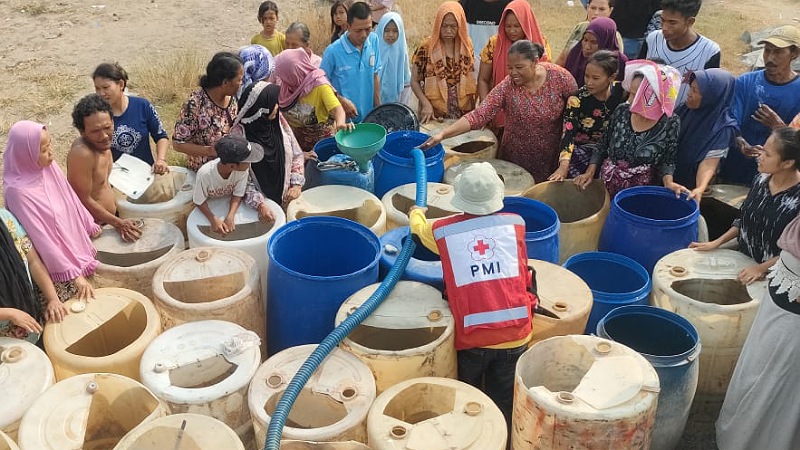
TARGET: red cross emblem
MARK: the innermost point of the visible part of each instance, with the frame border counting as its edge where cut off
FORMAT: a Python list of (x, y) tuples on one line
[(481, 247)]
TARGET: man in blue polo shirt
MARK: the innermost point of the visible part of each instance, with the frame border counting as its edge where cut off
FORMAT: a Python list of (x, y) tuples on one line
[(352, 64)]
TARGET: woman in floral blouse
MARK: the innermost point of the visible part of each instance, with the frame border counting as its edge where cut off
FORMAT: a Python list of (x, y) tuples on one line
[(587, 114), (642, 136), (443, 76), (209, 112)]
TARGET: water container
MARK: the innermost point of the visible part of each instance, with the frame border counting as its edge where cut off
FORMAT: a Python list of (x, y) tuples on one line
[(315, 264), (394, 165), (25, 372), (6, 443), (211, 283), (410, 335), (672, 345), (90, 411), (205, 367), (702, 287), (327, 151), (541, 227), (393, 117), (582, 213), (424, 266), (169, 198), (308, 445), (107, 334), (251, 234), (131, 265), (721, 206), (583, 393), (647, 223), (347, 202), (474, 144), (398, 203), (435, 413), (181, 432), (332, 406), (516, 180), (615, 281), (565, 296)]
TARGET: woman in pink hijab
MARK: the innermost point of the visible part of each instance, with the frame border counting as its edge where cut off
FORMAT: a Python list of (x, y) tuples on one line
[(38, 194), (641, 140), (307, 99)]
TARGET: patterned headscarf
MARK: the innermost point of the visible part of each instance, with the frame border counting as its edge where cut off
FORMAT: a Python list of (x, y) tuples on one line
[(659, 89), (258, 65)]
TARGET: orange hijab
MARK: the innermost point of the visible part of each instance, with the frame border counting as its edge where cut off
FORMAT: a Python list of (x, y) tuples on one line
[(467, 86), (522, 10)]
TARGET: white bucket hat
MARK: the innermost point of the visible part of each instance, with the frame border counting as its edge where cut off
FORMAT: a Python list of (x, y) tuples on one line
[(478, 190)]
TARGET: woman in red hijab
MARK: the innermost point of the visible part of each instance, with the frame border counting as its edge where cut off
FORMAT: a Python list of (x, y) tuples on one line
[(518, 22)]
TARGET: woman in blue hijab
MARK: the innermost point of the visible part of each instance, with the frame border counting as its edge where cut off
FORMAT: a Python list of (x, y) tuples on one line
[(707, 128), (395, 74)]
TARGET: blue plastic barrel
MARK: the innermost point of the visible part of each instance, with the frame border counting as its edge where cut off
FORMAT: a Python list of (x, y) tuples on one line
[(315, 264), (541, 227), (327, 150), (647, 223), (394, 165), (424, 266), (614, 280), (672, 346)]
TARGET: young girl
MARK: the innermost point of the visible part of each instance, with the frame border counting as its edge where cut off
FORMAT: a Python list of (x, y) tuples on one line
[(135, 119), (395, 71), (269, 37), (587, 113), (338, 19)]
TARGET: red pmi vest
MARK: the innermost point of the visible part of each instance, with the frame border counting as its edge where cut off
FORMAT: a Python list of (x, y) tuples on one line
[(486, 276)]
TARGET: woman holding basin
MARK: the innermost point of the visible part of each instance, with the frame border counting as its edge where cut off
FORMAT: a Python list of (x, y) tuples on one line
[(533, 97)]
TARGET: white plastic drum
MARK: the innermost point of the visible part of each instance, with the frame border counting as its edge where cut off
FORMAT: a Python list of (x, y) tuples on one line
[(332, 406), (410, 335), (292, 444), (583, 393), (131, 265), (398, 203), (347, 202), (107, 334), (25, 372), (474, 144), (515, 179), (435, 413), (251, 234), (702, 287), (181, 432), (6, 443), (563, 295), (90, 411), (205, 368), (169, 198), (210, 284)]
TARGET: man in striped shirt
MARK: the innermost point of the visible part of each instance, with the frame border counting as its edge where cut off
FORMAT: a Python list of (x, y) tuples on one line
[(678, 45)]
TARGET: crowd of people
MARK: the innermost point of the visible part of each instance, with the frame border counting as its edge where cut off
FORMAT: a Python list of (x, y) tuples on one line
[(635, 97)]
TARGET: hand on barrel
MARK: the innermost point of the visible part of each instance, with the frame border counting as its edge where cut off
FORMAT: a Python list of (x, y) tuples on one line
[(679, 189), (432, 141), (705, 246), (230, 223), (751, 274), (218, 226), (24, 320), (85, 290), (561, 173), (583, 180), (128, 230), (291, 194), (55, 311), (264, 213)]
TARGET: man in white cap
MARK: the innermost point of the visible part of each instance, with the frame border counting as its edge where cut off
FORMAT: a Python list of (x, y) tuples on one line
[(487, 281), (762, 97)]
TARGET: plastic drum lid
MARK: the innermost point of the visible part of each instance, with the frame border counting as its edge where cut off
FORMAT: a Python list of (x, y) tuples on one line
[(202, 263), (393, 117), (25, 372), (560, 291), (611, 375), (198, 430), (342, 377), (194, 355), (158, 239), (410, 305), (343, 201)]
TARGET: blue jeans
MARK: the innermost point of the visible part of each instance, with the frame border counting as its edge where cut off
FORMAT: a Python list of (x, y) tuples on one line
[(632, 47), (492, 371)]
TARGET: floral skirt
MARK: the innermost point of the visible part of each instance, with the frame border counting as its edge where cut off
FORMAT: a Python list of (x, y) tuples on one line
[(308, 135), (620, 175), (579, 162)]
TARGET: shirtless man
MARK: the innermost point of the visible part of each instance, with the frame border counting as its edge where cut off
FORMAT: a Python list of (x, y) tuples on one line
[(89, 164)]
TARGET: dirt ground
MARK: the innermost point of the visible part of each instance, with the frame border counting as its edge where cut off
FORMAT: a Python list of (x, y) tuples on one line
[(49, 48)]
